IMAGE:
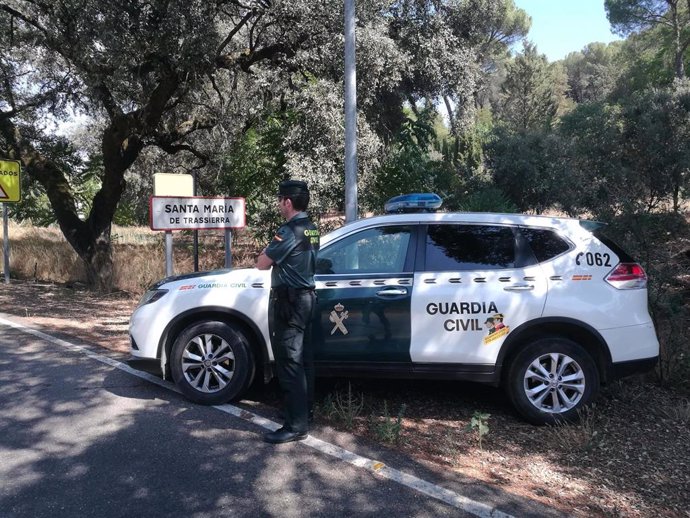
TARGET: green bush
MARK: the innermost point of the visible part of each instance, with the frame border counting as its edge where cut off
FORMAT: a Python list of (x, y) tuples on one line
[(488, 199), (389, 429)]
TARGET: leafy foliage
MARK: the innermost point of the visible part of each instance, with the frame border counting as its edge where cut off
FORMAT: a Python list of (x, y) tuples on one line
[(671, 16), (523, 168), (489, 199), (592, 73), (479, 424), (628, 158), (657, 138), (411, 166), (532, 92)]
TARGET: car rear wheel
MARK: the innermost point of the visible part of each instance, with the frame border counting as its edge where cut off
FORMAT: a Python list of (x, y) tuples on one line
[(211, 362), (551, 379)]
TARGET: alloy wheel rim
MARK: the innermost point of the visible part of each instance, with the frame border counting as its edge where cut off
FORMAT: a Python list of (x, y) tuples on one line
[(554, 383), (208, 363)]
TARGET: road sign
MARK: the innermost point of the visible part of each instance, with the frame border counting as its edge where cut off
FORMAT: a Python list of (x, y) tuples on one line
[(10, 171), (196, 212)]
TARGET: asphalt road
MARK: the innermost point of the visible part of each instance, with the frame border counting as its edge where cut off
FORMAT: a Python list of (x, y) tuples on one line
[(79, 437)]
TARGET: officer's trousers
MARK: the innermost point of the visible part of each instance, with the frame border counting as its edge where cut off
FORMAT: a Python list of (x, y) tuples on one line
[(293, 310)]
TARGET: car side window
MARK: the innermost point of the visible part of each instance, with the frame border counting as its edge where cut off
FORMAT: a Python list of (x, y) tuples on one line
[(374, 250), (545, 244), (469, 247)]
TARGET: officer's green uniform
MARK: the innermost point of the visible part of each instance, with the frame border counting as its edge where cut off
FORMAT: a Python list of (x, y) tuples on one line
[(293, 251)]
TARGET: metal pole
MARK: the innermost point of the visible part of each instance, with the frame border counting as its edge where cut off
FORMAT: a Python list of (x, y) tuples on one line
[(228, 248), (168, 253), (350, 114), (6, 242)]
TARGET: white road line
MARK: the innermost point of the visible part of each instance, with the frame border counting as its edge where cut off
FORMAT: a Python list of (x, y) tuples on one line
[(379, 468)]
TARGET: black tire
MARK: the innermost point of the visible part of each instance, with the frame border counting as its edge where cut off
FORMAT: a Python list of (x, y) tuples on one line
[(533, 383), (195, 367)]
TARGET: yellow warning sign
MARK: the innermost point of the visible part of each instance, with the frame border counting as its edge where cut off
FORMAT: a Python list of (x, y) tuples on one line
[(10, 171)]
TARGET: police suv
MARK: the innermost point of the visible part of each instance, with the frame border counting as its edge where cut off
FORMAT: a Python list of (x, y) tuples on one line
[(547, 308)]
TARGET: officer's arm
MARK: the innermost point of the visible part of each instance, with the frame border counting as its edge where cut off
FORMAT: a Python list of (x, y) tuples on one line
[(277, 250), (263, 262)]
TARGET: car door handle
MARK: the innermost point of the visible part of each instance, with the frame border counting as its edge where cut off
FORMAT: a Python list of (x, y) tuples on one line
[(391, 292), (519, 287)]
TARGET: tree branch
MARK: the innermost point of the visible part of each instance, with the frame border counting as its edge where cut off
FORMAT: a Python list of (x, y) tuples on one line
[(262, 30), (215, 87), (32, 102), (246, 60), (252, 42), (102, 93), (25, 19), (158, 100), (234, 31), (451, 116), (176, 148), (651, 16), (188, 127), (50, 176), (413, 106)]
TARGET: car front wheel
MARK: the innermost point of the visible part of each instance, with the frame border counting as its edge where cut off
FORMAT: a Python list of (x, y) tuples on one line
[(211, 362), (551, 379)]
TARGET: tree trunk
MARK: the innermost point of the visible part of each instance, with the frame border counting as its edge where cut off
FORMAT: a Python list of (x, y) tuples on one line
[(453, 129), (90, 239), (99, 263), (679, 65), (451, 116), (120, 149), (90, 242)]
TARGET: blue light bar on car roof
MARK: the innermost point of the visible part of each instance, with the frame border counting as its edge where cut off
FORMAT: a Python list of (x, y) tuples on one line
[(416, 202)]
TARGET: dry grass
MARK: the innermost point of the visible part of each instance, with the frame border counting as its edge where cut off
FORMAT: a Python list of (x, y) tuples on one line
[(575, 437), (43, 254), (679, 412)]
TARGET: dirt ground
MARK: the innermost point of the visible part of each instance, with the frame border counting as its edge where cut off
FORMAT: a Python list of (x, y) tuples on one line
[(629, 456)]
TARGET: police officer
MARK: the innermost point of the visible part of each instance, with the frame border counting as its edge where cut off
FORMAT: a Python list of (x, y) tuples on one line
[(292, 255)]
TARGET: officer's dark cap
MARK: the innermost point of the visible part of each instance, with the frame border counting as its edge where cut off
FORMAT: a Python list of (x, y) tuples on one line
[(292, 188)]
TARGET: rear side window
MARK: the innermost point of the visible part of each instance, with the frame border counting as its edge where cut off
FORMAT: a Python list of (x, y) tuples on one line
[(545, 244), (469, 247)]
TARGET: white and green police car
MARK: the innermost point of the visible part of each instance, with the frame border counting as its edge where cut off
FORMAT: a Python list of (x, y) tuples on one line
[(546, 307)]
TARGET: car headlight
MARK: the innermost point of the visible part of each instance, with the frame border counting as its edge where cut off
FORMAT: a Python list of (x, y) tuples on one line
[(151, 296)]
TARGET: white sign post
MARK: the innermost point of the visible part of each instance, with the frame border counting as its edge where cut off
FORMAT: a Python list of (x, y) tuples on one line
[(170, 213)]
